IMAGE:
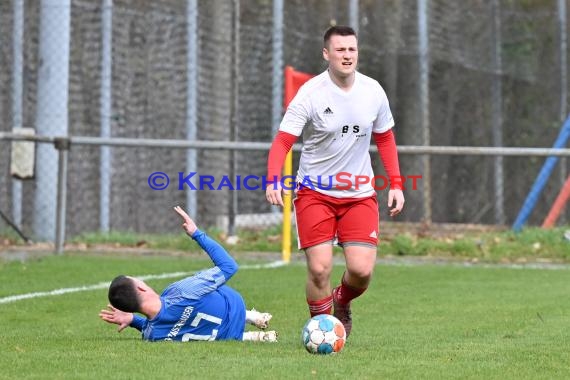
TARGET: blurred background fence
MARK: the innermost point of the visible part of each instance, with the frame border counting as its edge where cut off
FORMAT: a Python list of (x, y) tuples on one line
[(458, 73)]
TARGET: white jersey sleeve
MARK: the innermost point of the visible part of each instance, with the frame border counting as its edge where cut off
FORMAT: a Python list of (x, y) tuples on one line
[(298, 112), (385, 120)]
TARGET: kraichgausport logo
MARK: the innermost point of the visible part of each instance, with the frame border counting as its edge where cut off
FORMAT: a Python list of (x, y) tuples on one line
[(341, 181)]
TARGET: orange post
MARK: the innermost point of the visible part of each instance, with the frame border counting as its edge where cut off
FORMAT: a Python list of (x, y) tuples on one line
[(558, 205), (293, 81)]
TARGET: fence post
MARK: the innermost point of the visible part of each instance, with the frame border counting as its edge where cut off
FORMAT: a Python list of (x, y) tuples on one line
[(563, 52), (105, 109), (52, 108), (353, 18), (62, 145), (17, 97), (234, 117), (192, 99), (424, 62)]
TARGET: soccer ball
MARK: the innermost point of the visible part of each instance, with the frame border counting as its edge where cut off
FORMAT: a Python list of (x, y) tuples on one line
[(323, 334)]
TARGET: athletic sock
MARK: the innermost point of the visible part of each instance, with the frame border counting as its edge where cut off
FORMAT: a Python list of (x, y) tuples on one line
[(323, 306), (346, 293)]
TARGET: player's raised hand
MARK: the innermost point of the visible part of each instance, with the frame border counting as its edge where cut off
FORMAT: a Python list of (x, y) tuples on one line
[(116, 316), (188, 225)]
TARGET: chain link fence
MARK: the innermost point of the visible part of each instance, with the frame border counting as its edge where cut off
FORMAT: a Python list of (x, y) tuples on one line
[(203, 70)]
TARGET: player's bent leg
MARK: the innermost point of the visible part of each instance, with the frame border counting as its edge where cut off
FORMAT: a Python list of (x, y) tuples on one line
[(342, 312), (360, 261), (260, 336), (257, 319), (358, 235)]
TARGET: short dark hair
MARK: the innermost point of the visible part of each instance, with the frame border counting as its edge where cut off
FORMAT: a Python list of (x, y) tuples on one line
[(339, 30), (123, 294)]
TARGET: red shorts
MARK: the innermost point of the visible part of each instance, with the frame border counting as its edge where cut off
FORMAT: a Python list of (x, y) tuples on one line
[(321, 218)]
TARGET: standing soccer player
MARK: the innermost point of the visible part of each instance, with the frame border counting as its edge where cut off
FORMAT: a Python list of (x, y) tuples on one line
[(337, 112), (199, 307)]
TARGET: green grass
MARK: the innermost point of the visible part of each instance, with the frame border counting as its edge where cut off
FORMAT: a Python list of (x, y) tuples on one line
[(530, 244), (424, 322), (260, 240), (499, 246)]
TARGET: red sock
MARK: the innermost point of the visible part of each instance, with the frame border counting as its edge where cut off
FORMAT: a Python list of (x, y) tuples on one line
[(346, 293), (323, 306)]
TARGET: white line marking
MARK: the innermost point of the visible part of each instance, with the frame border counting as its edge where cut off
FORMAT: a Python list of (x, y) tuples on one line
[(276, 264), (103, 285)]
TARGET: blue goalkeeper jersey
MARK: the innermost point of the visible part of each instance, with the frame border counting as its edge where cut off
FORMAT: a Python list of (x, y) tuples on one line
[(199, 307)]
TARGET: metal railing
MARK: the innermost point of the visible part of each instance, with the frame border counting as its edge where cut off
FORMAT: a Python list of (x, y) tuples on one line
[(63, 144)]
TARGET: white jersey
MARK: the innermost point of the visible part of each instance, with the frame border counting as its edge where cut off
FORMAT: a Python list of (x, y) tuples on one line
[(337, 127)]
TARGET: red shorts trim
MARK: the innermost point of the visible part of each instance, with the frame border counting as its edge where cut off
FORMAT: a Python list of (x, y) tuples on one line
[(321, 218)]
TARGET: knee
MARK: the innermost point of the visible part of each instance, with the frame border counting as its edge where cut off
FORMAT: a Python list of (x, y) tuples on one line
[(320, 274), (361, 273)]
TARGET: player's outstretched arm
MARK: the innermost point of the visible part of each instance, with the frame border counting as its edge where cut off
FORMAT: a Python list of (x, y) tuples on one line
[(117, 317), (217, 253)]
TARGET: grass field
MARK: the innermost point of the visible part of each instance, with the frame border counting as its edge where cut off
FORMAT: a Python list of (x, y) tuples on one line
[(415, 322), (397, 239)]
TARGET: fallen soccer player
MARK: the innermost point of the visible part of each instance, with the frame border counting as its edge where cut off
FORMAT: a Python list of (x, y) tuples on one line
[(199, 307)]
